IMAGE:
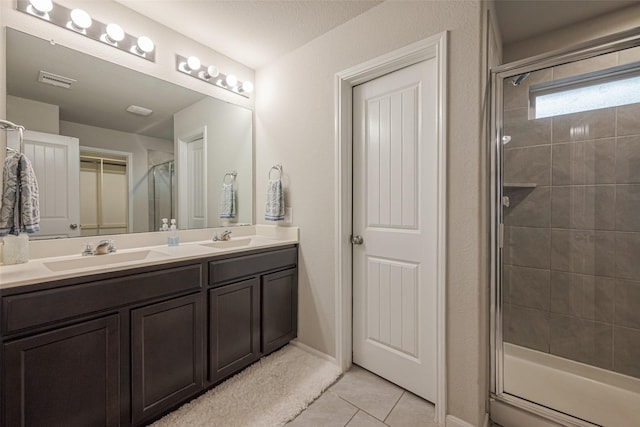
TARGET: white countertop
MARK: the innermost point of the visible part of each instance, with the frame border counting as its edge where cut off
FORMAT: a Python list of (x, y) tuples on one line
[(136, 250)]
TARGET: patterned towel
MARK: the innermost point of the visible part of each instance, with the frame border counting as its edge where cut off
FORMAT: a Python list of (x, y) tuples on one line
[(20, 210), (275, 201), (228, 201)]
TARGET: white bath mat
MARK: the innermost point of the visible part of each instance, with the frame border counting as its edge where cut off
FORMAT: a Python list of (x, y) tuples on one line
[(268, 393)]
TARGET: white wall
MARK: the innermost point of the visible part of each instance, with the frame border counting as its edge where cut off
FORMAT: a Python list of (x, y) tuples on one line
[(295, 126), (229, 148), (33, 115), (91, 136)]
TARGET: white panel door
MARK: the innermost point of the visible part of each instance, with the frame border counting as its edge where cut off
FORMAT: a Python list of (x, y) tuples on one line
[(56, 162), (395, 210), (196, 184)]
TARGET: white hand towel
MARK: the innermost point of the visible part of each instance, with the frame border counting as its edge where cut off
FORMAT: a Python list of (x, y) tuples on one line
[(228, 201), (275, 201), (20, 210)]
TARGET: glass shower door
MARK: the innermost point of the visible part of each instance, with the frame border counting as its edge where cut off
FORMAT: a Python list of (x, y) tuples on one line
[(570, 193), (161, 191)]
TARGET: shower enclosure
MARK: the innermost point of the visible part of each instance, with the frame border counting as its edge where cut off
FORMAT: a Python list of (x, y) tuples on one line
[(161, 193), (565, 188)]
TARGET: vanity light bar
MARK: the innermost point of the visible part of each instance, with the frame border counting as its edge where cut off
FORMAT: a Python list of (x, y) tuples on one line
[(79, 21), (192, 66)]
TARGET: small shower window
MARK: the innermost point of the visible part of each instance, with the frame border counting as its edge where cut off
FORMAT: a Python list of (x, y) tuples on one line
[(612, 87)]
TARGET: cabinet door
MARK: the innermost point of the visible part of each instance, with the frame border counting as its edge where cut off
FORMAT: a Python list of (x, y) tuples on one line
[(66, 377), (166, 355), (234, 332), (279, 309)]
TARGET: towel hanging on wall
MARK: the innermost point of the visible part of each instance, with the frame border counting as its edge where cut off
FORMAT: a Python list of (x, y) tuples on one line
[(228, 201), (20, 210), (228, 196), (274, 210)]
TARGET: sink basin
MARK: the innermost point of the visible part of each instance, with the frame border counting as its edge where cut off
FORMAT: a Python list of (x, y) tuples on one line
[(233, 243), (239, 242), (99, 260)]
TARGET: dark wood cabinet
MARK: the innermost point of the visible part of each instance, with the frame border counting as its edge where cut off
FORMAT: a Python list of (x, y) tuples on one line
[(65, 377), (234, 328), (279, 309), (125, 347), (261, 287), (166, 355)]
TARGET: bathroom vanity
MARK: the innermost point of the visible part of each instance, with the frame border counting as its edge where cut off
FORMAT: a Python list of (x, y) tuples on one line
[(125, 346)]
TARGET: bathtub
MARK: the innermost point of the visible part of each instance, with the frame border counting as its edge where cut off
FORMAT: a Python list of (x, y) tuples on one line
[(593, 394)]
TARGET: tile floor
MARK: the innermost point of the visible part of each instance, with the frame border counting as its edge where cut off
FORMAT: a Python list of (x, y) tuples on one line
[(363, 399)]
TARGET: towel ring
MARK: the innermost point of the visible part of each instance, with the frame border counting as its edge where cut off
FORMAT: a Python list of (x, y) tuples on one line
[(232, 176), (277, 168)]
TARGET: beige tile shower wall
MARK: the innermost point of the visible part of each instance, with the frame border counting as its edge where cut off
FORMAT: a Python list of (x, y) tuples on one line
[(572, 244)]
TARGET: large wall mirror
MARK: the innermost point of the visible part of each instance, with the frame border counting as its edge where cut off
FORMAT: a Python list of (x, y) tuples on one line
[(116, 151)]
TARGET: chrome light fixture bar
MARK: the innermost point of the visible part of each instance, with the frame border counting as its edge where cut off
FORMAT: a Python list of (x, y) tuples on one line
[(192, 66), (79, 21)]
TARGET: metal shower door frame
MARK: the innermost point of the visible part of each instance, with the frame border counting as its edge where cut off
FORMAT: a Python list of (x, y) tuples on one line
[(612, 43)]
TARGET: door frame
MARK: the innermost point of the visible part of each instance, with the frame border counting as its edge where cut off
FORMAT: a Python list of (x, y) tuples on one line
[(129, 156), (181, 181), (432, 47)]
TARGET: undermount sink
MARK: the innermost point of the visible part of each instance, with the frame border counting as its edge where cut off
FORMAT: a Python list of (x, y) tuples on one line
[(100, 260), (239, 242), (232, 243)]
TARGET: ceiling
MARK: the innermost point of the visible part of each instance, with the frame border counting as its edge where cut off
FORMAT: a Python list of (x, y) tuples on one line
[(252, 32), (256, 32), (521, 19)]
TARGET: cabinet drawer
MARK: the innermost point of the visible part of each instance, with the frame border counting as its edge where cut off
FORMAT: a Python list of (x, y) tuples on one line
[(39, 308), (234, 268)]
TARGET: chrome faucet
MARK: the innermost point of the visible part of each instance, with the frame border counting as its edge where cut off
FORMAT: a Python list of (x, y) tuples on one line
[(88, 250), (105, 247), (226, 235)]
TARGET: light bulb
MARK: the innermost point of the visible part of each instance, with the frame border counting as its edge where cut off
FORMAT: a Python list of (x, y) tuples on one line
[(80, 20), (193, 63), (231, 80), (41, 7), (247, 87), (212, 71), (115, 33), (145, 45), (209, 73)]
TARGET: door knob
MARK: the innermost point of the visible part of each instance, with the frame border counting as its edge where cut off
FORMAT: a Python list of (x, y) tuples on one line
[(73, 226), (357, 240)]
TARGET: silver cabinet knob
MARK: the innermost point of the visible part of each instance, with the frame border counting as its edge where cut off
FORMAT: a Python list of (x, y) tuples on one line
[(357, 240), (73, 226)]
